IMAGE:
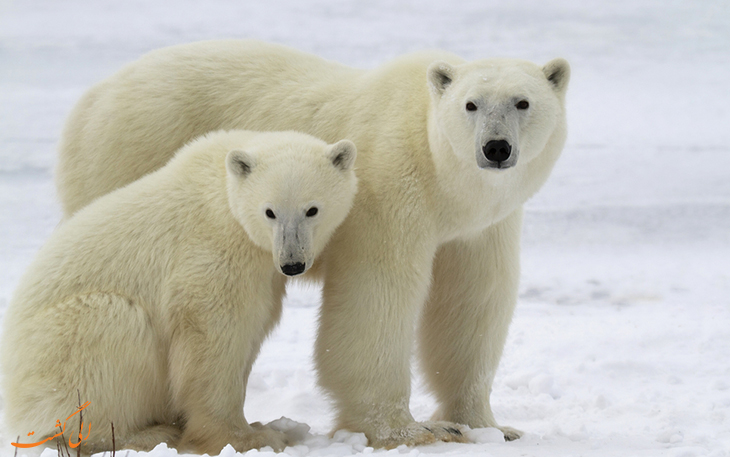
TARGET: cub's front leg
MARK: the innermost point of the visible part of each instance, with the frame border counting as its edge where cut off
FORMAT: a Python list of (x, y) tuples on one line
[(213, 347)]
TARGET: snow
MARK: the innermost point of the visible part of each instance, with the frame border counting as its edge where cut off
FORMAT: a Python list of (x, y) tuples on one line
[(620, 343)]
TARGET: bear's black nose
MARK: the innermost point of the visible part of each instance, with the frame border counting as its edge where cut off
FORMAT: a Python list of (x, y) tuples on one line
[(292, 269), (497, 150)]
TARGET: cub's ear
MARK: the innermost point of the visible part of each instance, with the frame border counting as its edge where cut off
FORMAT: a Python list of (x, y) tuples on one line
[(240, 163), (557, 71), (440, 74), (342, 154)]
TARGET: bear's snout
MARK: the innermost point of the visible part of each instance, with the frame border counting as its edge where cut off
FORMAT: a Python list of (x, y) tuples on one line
[(497, 150), (293, 269)]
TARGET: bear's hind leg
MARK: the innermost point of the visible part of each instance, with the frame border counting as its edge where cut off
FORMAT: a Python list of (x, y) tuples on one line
[(148, 438), (98, 348)]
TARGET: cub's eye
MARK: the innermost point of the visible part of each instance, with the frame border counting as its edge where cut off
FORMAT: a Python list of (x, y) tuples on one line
[(522, 104), (471, 106), (312, 211), (270, 214)]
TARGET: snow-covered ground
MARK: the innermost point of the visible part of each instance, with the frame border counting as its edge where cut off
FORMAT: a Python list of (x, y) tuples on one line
[(620, 345)]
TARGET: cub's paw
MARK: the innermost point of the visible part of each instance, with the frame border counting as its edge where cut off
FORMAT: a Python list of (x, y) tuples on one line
[(417, 434), (211, 440), (262, 436)]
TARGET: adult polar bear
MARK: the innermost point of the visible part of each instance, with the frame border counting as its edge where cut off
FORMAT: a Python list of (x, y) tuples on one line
[(448, 151)]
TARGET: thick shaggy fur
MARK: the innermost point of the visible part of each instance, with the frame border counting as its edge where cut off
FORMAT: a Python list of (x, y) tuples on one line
[(153, 301), (435, 229)]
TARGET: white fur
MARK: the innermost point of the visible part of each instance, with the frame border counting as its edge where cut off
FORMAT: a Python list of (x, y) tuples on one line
[(434, 231), (153, 301)]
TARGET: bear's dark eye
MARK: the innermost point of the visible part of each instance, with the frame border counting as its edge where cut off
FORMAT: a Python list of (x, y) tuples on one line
[(471, 106), (270, 214), (522, 104), (312, 211)]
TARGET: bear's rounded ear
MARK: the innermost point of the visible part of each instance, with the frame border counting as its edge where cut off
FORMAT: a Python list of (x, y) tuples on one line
[(240, 163), (342, 154), (557, 72), (440, 74)]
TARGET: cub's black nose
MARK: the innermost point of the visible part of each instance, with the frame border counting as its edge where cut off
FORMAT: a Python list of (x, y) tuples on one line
[(497, 150), (292, 269)]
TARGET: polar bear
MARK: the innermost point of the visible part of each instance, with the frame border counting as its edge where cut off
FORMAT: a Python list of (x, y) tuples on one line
[(448, 152), (151, 303)]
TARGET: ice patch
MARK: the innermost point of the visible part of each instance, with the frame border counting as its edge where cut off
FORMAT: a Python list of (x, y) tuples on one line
[(295, 431), (161, 450), (544, 384), (227, 451), (485, 435)]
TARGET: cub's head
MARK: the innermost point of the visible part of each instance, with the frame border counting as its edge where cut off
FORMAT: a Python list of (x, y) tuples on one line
[(290, 191), (499, 112)]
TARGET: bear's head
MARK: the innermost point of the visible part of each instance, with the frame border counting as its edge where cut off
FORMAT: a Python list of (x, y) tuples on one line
[(498, 112), (290, 191)]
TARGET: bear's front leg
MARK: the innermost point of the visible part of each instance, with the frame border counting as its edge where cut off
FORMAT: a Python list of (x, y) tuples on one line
[(466, 319), (376, 282), (212, 350)]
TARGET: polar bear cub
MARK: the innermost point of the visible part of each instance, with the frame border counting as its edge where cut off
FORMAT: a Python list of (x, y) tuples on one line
[(152, 302)]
